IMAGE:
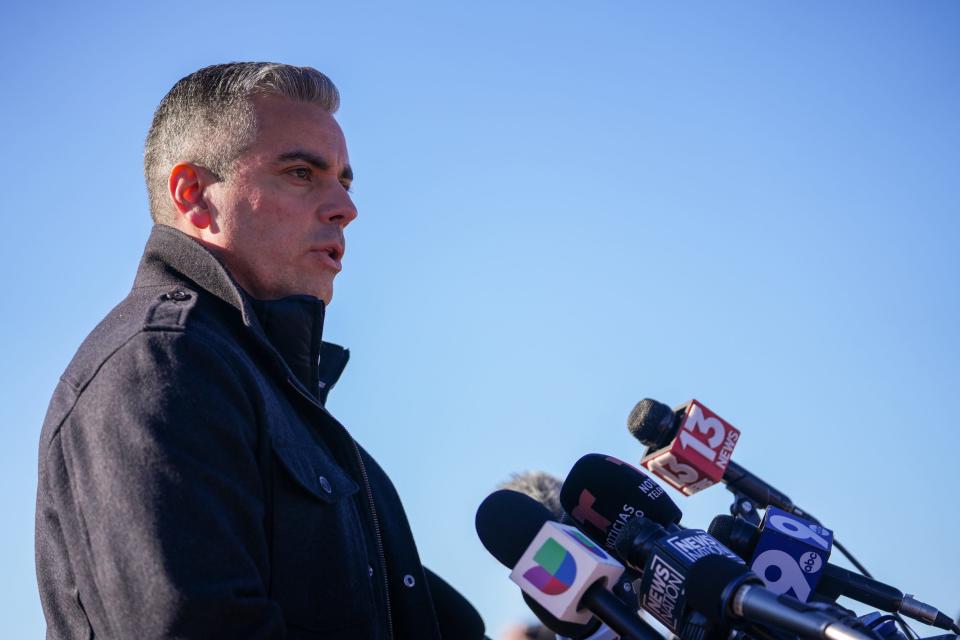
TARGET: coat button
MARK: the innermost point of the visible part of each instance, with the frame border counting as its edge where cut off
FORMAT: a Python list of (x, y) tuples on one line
[(325, 484), (369, 571), (179, 296), (408, 580)]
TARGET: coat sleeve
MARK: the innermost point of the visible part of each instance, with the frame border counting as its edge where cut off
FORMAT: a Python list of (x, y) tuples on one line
[(155, 478)]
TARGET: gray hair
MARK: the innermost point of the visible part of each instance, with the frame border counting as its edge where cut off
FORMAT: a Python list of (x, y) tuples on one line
[(539, 485), (208, 118)]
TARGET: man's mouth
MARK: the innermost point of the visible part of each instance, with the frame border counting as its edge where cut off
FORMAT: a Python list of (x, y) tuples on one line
[(330, 254)]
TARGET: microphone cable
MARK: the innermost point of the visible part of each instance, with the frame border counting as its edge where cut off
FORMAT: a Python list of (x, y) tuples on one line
[(906, 628)]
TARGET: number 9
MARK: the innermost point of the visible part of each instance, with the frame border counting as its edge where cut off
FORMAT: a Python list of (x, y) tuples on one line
[(791, 575), (798, 530)]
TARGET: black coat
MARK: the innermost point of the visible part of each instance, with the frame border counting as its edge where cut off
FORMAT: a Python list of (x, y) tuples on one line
[(192, 485)]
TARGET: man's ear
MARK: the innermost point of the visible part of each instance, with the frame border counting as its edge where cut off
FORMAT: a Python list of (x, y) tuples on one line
[(186, 186)]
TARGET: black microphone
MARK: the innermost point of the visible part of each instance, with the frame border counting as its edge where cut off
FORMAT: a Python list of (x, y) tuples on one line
[(602, 493), (456, 617), (512, 546), (742, 538), (570, 630), (545, 489), (720, 588), (664, 557), (656, 425), (510, 524)]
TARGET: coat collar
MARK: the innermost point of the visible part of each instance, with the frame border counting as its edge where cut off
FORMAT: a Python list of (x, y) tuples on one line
[(290, 327)]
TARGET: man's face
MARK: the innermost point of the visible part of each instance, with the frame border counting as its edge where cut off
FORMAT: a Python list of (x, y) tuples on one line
[(279, 215)]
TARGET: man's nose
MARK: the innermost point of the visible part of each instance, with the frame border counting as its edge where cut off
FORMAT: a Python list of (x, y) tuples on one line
[(339, 209)]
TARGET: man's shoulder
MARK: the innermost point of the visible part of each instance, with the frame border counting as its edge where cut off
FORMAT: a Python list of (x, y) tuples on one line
[(159, 345), (152, 315)]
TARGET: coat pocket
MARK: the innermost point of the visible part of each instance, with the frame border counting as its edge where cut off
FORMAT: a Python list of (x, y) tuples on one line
[(320, 570), (315, 471)]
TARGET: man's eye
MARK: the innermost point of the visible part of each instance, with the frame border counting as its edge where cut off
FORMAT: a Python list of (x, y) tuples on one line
[(301, 172), (346, 187)]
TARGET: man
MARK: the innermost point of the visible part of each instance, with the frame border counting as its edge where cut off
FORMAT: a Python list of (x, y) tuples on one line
[(192, 484)]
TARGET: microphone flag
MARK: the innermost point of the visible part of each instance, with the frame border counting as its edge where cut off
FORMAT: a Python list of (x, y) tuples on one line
[(698, 455), (791, 553), (559, 565)]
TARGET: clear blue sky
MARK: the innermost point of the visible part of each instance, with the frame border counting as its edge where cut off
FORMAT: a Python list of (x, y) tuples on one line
[(562, 210)]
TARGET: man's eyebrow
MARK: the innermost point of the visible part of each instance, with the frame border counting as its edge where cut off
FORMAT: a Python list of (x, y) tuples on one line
[(315, 160)]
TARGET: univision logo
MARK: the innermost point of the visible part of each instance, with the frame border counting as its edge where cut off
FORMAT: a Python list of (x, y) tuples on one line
[(555, 570)]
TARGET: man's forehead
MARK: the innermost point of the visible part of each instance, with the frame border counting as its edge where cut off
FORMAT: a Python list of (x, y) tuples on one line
[(287, 124), (281, 113)]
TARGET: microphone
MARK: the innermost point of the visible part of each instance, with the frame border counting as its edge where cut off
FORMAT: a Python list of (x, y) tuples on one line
[(680, 443), (690, 449), (789, 553), (545, 489), (610, 500), (456, 617), (720, 588), (664, 557), (743, 537), (555, 564), (567, 629), (602, 494), (564, 629)]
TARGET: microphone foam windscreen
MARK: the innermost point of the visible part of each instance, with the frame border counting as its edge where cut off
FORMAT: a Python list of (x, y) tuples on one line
[(706, 582), (721, 528), (631, 543), (601, 493), (507, 521), (651, 423), (737, 534)]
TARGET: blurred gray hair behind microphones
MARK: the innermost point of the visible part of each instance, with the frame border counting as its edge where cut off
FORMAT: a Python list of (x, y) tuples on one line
[(539, 485)]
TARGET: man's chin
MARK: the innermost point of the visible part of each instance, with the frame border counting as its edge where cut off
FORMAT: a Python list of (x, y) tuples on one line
[(326, 296), (316, 287), (278, 291), (324, 293)]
